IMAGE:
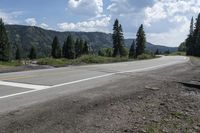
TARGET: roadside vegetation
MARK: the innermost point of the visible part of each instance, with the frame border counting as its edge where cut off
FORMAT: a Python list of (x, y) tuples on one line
[(10, 64), (76, 51), (178, 53), (85, 59)]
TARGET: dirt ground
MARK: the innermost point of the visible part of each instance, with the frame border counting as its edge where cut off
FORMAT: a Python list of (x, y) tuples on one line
[(148, 102)]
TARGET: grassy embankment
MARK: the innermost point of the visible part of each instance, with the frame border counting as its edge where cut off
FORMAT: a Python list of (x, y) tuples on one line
[(10, 64), (86, 59), (178, 53)]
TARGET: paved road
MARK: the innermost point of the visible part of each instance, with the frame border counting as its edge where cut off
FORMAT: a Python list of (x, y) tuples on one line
[(21, 89)]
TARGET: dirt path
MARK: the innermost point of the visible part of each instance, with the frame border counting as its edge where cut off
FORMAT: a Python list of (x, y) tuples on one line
[(149, 102)]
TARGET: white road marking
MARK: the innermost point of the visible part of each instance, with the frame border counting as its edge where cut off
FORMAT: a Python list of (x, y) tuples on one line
[(78, 81), (22, 85)]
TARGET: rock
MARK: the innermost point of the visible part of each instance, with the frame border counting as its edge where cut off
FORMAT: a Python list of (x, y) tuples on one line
[(152, 88), (162, 104)]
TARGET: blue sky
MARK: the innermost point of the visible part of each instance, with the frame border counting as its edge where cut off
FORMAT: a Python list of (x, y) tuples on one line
[(166, 22)]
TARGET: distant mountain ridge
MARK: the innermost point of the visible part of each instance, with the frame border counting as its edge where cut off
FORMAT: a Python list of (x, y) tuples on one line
[(26, 36)]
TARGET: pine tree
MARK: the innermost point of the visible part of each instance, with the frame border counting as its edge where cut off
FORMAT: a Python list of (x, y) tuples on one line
[(4, 43), (157, 52), (192, 26), (118, 40), (18, 53), (190, 40), (85, 48), (140, 41), (132, 50), (69, 48), (115, 38), (33, 53), (79, 47), (122, 49), (77, 43), (196, 38), (56, 49)]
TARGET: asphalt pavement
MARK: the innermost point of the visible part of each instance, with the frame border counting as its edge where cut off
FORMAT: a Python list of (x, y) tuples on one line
[(22, 89)]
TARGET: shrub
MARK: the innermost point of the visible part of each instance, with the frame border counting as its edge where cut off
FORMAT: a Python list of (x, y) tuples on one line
[(145, 56)]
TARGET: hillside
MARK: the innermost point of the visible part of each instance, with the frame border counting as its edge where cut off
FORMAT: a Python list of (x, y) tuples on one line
[(152, 47), (26, 36)]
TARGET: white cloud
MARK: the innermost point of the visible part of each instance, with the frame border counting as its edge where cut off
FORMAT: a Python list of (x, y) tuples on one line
[(166, 21), (174, 36), (170, 9), (44, 25), (31, 21), (85, 7), (10, 17), (91, 25), (154, 13)]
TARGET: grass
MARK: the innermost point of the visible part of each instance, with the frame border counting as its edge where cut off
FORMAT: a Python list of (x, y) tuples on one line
[(146, 56), (178, 53), (10, 64), (53, 62), (86, 59)]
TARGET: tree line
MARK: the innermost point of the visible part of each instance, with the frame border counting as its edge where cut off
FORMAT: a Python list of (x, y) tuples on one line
[(137, 47), (71, 49), (192, 42), (74, 48)]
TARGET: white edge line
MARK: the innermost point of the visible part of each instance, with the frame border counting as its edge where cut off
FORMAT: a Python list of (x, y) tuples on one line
[(22, 85), (96, 77)]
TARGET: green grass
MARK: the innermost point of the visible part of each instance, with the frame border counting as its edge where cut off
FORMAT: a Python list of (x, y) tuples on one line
[(86, 59), (9, 64), (146, 56), (178, 53), (53, 62)]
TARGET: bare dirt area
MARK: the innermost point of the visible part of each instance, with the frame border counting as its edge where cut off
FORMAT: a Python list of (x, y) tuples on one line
[(148, 102)]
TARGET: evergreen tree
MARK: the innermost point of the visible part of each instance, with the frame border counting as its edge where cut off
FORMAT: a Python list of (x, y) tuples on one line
[(85, 48), (132, 50), (157, 52), (118, 40), (79, 47), (33, 53), (4, 43), (192, 26), (196, 38), (182, 47), (18, 53), (56, 49), (190, 40), (140, 41), (69, 48)]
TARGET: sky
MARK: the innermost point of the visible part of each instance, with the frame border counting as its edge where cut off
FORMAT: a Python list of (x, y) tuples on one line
[(166, 22)]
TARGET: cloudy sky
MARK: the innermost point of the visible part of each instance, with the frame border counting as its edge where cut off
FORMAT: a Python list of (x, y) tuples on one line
[(166, 21)]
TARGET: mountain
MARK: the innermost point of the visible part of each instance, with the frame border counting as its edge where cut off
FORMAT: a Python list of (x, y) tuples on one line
[(151, 47), (26, 36)]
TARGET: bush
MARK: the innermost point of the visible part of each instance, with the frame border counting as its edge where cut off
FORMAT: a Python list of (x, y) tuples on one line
[(179, 53), (13, 63), (145, 56), (53, 62)]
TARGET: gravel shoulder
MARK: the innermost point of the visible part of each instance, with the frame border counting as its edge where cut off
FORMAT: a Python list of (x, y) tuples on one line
[(148, 102)]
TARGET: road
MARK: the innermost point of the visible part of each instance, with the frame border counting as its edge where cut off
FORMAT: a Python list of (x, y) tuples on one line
[(22, 89)]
